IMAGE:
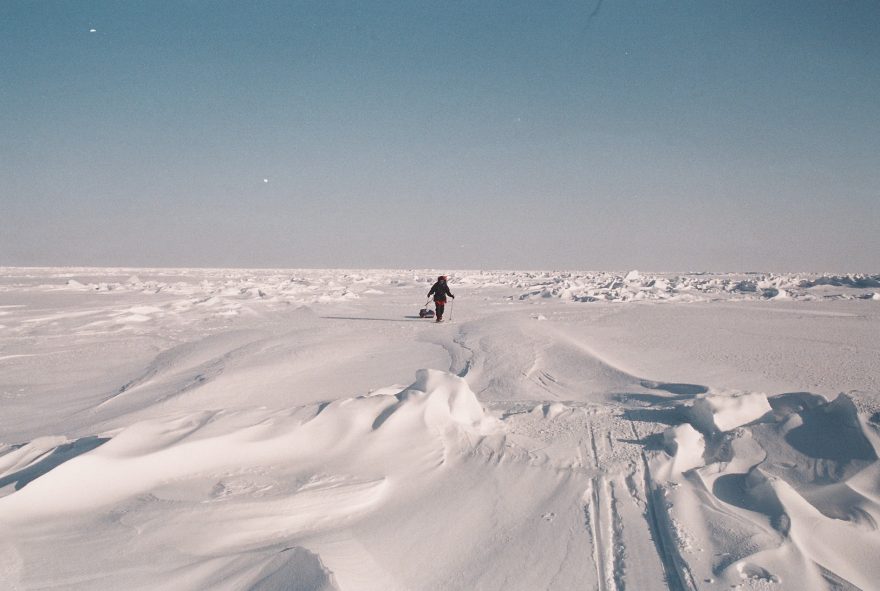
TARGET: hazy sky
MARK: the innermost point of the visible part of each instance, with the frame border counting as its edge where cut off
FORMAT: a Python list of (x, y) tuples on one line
[(658, 135)]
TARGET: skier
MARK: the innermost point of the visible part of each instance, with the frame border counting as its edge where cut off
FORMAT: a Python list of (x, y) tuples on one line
[(440, 290)]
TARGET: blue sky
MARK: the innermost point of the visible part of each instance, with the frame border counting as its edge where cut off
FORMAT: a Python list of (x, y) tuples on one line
[(613, 135)]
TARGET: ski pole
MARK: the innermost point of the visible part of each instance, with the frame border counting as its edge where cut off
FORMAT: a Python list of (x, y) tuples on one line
[(450, 309)]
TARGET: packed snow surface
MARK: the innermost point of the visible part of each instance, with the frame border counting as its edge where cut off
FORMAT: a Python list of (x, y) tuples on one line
[(305, 429)]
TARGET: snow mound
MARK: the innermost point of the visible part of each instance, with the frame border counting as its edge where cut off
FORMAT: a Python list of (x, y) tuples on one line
[(441, 399), (252, 498), (686, 446), (718, 412), (549, 411), (143, 456)]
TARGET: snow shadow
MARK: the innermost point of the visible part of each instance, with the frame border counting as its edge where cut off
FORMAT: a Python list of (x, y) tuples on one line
[(832, 432), (58, 456), (295, 569), (650, 399), (676, 393), (653, 442), (751, 492), (681, 390), (731, 488), (664, 416), (794, 402)]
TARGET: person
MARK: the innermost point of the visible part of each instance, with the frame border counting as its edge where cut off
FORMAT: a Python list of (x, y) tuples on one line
[(440, 290)]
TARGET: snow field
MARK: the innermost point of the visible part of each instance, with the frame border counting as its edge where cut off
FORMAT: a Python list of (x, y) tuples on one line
[(224, 429)]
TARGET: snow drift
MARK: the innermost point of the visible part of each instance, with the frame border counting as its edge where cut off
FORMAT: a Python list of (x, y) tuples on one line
[(725, 412)]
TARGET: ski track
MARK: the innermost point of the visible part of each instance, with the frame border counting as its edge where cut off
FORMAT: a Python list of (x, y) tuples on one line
[(619, 477)]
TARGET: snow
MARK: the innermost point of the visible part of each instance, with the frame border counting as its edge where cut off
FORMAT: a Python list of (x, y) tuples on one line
[(303, 428), (686, 446), (726, 412), (689, 287)]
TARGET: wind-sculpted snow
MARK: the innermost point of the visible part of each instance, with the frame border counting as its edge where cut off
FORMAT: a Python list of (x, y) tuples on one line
[(729, 411), (245, 481), (686, 447), (799, 471), (305, 429)]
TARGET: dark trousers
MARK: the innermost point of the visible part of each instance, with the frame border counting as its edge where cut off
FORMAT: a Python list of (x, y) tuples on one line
[(440, 305)]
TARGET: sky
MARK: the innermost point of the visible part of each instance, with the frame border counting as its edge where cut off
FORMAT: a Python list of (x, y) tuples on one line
[(592, 135)]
